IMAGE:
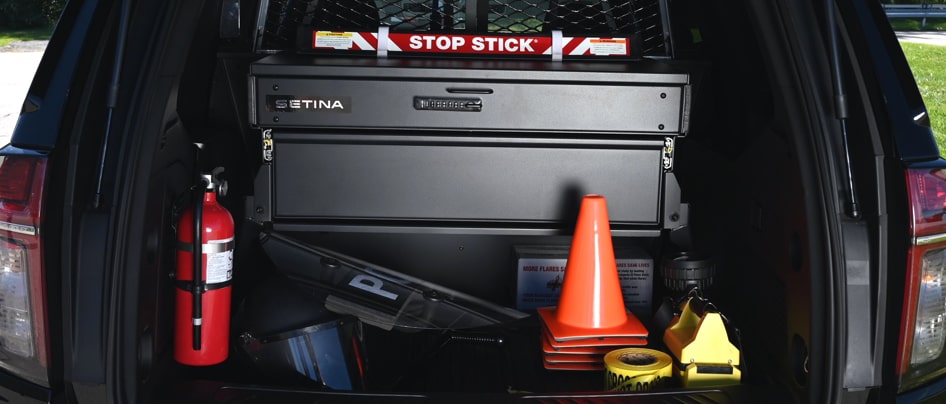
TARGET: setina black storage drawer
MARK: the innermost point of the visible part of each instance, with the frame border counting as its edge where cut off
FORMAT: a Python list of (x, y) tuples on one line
[(490, 146)]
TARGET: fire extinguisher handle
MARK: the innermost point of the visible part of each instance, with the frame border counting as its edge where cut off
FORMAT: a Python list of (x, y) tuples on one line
[(197, 289)]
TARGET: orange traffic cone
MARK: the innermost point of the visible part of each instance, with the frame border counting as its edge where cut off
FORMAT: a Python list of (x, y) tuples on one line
[(591, 304)]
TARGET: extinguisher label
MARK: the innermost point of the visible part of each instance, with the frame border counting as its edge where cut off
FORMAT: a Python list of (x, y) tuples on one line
[(220, 264)]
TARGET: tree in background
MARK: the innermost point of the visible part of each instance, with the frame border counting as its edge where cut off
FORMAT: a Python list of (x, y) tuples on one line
[(20, 14), (53, 8)]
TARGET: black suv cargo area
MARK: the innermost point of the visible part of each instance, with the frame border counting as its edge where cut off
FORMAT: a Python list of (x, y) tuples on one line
[(452, 171), (407, 182)]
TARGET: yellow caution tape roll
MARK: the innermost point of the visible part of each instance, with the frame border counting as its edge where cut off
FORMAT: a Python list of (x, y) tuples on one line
[(636, 369)]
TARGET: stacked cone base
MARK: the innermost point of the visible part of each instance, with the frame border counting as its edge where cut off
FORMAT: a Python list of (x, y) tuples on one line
[(574, 366), (561, 332), (550, 349), (568, 358), (594, 341), (581, 354)]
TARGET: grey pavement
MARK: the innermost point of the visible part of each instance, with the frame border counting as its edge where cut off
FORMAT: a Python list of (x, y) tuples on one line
[(927, 37), (18, 63)]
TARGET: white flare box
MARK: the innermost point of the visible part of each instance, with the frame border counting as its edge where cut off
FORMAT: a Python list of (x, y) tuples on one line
[(541, 271)]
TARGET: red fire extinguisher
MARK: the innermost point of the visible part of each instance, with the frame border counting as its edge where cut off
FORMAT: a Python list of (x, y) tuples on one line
[(202, 317)]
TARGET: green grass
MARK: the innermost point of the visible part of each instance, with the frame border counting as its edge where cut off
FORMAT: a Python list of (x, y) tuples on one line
[(929, 68), (907, 24), (10, 36)]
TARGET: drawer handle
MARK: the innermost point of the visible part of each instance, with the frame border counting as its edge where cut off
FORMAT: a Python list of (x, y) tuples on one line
[(455, 90)]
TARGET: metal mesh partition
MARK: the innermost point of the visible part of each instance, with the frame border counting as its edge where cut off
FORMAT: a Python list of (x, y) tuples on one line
[(604, 17), (622, 17), (423, 15)]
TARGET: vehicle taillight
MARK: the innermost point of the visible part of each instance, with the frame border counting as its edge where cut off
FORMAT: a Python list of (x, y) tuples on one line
[(23, 340), (923, 331)]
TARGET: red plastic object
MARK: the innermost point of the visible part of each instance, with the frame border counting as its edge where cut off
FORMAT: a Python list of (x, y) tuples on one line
[(217, 266), (591, 304)]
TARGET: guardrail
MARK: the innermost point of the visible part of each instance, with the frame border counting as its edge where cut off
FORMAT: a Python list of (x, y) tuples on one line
[(920, 11)]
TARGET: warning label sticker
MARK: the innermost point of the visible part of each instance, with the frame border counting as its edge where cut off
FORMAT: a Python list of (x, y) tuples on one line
[(334, 40), (608, 46)]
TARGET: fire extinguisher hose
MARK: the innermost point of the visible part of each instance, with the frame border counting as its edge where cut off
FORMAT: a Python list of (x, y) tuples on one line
[(197, 289)]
